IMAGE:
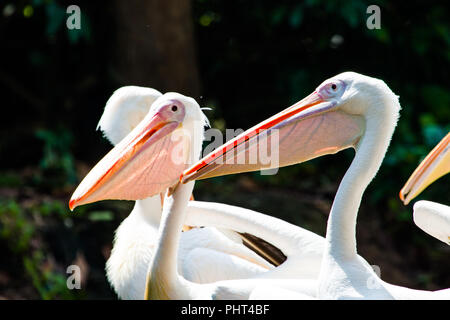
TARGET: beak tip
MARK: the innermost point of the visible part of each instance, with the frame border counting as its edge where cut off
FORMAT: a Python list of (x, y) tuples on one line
[(402, 197), (185, 178), (72, 204)]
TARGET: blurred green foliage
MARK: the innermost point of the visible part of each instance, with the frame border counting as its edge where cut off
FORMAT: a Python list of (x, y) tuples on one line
[(19, 231), (255, 58), (57, 156)]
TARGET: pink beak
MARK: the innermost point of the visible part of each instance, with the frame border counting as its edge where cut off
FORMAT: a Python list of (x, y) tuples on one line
[(139, 166), (308, 129)]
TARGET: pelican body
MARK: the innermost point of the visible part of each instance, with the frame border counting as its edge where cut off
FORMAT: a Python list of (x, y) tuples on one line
[(349, 110), (205, 254)]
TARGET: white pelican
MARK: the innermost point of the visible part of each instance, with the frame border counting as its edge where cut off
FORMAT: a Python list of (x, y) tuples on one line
[(348, 110), (431, 217), (205, 254), (142, 165)]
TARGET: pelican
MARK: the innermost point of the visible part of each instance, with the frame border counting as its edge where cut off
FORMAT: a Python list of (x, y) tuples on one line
[(142, 165), (431, 217), (206, 255), (349, 110)]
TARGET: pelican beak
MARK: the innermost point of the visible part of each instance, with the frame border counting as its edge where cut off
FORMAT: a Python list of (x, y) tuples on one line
[(435, 165), (141, 165), (308, 129)]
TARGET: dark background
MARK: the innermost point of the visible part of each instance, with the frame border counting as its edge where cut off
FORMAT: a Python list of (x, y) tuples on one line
[(244, 59)]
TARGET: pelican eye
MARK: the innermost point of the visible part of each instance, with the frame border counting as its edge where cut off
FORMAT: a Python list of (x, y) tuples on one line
[(332, 89), (174, 108)]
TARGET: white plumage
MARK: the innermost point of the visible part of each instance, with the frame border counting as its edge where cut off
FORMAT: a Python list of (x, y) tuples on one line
[(434, 219)]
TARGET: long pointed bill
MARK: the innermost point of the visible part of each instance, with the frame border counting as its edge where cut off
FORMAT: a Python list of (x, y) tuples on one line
[(141, 165), (308, 129), (435, 165)]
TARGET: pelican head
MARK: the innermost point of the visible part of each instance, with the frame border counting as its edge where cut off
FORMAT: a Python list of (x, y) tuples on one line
[(334, 117), (151, 157)]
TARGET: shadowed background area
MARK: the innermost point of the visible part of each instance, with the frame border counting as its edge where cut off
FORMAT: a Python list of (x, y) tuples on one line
[(245, 60)]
